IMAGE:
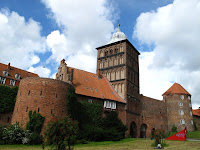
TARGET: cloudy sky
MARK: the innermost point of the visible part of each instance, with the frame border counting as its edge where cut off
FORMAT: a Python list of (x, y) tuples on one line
[(37, 34)]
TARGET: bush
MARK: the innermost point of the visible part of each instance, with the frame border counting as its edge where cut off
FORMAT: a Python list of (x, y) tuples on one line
[(35, 123), (1, 134), (61, 132), (159, 135), (35, 139), (14, 134), (174, 128), (113, 127)]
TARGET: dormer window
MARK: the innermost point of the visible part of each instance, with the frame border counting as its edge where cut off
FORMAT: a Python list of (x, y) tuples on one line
[(2, 80), (12, 82), (17, 76), (5, 73)]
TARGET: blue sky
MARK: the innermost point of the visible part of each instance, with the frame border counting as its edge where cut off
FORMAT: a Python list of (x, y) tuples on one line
[(37, 34)]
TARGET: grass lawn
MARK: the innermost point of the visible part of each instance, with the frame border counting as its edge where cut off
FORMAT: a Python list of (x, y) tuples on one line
[(126, 144)]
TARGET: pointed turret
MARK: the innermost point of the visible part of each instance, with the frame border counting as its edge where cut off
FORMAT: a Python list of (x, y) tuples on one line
[(176, 89)]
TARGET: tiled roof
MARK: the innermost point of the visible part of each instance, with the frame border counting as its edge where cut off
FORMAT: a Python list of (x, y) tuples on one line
[(12, 71), (90, 84), (176, 89), (196, 112)]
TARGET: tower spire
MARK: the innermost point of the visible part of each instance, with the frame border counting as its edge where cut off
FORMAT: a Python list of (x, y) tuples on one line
[(118, 27)]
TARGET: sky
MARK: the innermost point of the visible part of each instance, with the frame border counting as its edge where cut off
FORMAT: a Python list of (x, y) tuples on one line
[(35, 35)]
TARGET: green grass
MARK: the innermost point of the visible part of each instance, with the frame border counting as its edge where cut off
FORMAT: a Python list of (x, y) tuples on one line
[(126, 144), (192, 135)]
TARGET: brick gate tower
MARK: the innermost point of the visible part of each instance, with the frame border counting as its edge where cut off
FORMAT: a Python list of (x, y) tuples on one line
[(118, 61)]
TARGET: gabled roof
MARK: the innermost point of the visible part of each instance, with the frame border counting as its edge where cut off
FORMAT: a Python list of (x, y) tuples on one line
[(176, 89), (196, 112), (12, 71), (89, 84)]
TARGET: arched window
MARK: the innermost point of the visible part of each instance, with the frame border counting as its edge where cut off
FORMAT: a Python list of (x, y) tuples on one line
[(106, 53), (111, 51), (116, 50)]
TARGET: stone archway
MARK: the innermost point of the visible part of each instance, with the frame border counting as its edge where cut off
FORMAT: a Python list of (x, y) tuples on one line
[(133, 130), (143, 130)]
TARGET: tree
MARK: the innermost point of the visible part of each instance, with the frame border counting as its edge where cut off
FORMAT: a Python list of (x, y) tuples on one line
[(61, 132)]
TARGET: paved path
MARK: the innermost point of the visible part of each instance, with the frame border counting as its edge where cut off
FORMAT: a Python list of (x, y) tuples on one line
[(198, 140)]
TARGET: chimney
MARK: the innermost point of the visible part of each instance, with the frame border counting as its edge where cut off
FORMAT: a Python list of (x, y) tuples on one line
[(71, 75), (99, 73), (8, 66)]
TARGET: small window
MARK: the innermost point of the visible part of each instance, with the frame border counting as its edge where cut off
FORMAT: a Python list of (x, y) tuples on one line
[(12, 82), (29, 92), (86, 79), (189, 98), (190, 105), (90, 100), (26, 109), (181, 112), (180, 104), (17, 76), (91, 89), (40, 93), (182, 121), (182, 97), (5, 73), (2, 80), (56, 95), (52, 111), (96, 90), (38, 109), (191, 121)]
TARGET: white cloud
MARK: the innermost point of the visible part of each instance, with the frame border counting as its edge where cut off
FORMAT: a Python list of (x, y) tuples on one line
[(174, 31), (41, 71), (19, 40), (85, 25)]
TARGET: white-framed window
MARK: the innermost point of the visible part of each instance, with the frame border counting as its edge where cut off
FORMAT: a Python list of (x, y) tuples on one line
[(180, 104), (191, 121), (182, 97), (2, 80), (110, 104), (181, 112), (189, 98), (17, 76), (12, 82), (90, 100), (190, 113), (5, 73), (182, 121)]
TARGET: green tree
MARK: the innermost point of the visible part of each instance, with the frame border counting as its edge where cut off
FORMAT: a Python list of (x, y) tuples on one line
[(61, 132), (35, 123), (113, 127), (7, 98)]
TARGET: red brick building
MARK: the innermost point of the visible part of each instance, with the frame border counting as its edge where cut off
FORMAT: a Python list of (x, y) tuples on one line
[(115, 86), (11, 76)]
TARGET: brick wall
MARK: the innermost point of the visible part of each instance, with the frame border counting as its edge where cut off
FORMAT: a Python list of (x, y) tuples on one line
[(153, 114), (46, 96)]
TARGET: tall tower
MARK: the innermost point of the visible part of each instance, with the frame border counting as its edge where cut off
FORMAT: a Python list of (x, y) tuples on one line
[(118, 61), (179, 108)]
